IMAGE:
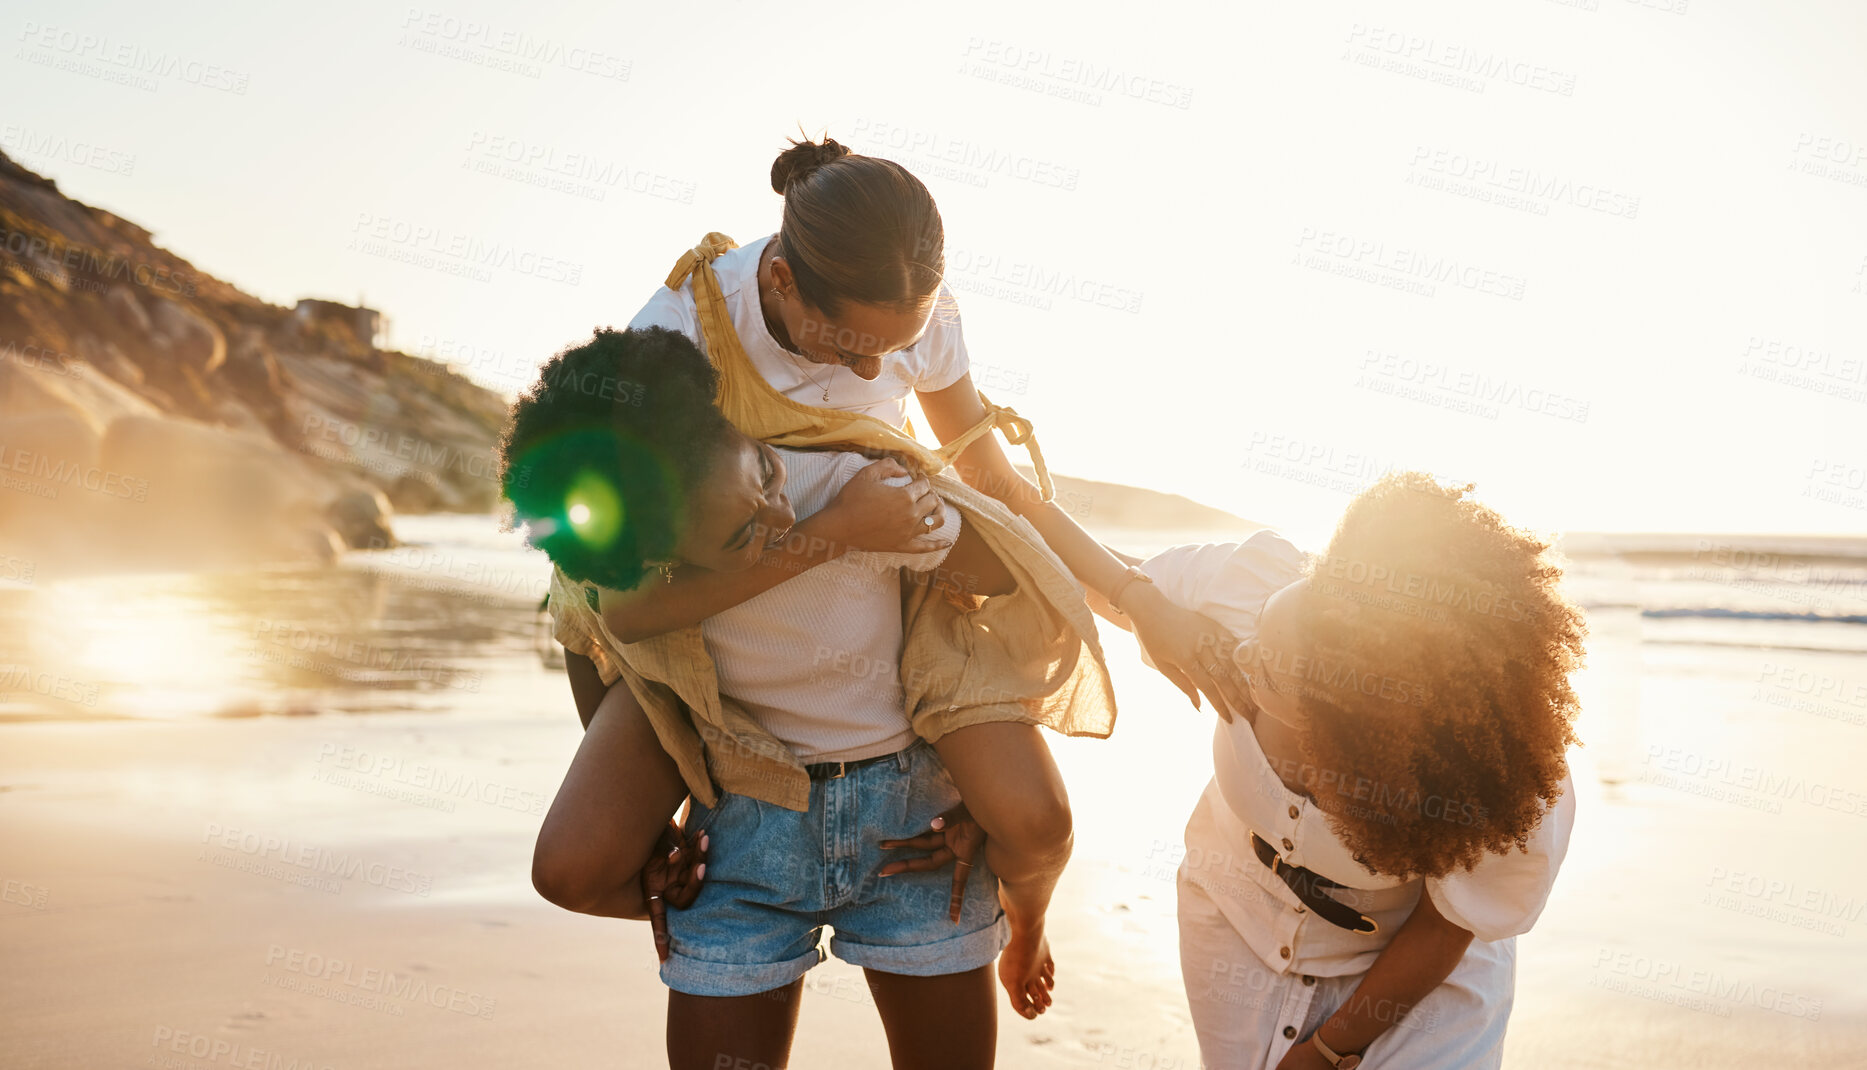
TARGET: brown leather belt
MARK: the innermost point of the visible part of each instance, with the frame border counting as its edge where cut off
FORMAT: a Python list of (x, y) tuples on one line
[(834, 770), (1309, 887)]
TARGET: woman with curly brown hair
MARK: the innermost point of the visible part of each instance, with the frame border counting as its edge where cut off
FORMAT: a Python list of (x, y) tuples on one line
[(1392, 813)]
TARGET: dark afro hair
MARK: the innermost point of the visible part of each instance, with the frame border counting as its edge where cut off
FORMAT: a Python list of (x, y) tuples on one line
[(1428, 589), (606, 447)]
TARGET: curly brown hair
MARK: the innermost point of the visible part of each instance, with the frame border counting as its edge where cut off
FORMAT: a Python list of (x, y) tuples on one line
[(1461, 614)]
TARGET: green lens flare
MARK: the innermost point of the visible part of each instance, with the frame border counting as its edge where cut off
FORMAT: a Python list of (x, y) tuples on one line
[(594, 509)]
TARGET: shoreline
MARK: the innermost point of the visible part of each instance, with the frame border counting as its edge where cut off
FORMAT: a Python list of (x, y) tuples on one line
[(214, 850), (178, 875)]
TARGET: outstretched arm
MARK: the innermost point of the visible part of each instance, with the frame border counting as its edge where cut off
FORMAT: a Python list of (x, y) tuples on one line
[(1101, 606), (1191, 649), (693, 594), (1421, 956), (867, 514)]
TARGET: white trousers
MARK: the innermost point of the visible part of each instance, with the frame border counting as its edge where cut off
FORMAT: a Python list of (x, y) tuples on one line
[(1248, 1015)]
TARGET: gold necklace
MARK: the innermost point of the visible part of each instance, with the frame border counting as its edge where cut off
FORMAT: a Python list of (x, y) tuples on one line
[(764, 260), (813, 379)]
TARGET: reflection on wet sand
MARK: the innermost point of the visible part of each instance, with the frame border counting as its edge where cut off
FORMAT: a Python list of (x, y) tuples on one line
[(342, 638)]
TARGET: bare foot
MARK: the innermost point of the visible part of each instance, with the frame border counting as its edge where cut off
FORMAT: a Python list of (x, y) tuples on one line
[(1026, 969)]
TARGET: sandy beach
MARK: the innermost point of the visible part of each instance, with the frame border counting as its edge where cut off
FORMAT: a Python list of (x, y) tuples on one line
[(280, 712), (351, 889)]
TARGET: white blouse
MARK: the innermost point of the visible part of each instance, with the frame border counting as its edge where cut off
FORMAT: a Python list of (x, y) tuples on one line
[(1500, 897), (934, 362)]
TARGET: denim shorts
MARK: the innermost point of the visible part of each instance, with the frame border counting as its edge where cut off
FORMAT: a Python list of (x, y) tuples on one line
[(776, 877)]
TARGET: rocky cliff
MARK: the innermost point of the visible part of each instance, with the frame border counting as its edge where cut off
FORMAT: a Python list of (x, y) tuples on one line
[(1117, 509), (152, 415)]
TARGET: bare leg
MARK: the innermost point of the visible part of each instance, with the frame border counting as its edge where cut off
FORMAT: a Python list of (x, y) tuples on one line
[(616, 798), (741, 1032), (938, 1023), (1010, 783)]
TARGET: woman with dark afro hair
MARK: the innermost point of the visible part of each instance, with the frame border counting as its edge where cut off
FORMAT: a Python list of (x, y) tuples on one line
[(1390, 811), (584, 433)]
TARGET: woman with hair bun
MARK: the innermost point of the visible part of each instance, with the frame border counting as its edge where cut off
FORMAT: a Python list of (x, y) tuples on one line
[(819, 333), (843, 313)]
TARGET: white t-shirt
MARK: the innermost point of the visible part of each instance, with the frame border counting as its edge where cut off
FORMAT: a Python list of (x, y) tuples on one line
[(1500, 897), (817, 659), (935, 362)]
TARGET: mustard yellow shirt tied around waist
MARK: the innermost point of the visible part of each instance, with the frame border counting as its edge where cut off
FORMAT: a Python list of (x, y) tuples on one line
[(1031, 656)]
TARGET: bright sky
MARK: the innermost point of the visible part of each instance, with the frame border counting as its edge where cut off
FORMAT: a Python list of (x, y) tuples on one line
[(1606, 258)]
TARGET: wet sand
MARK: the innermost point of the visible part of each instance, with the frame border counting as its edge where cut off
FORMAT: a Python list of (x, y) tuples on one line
[(352, 891)]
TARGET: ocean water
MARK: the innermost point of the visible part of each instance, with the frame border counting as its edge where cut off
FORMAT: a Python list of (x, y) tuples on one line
[(451, 618), (441, 624)]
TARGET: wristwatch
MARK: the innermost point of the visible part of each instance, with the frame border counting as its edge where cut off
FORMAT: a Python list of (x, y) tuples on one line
[(1340, 1062)]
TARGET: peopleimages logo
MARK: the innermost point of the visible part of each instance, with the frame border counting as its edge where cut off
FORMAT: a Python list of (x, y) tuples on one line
[(315, 650), (17, 569), (39, 358), (579, 173), (504, 47), (201, 1048), (1419, 271), (22, 679), (22, 142), (378, 981), (1461, 389), (1755, 787), (453, 252), (1067, 77), (1672, 982), (1470, 68), (1026, 283), (75, 50), (428, 777), (375, 448), (961, 159), (1513, 186), (95, 265), (312, 859)]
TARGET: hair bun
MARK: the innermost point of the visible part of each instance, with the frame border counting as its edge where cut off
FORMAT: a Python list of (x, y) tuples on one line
[(801, 159)]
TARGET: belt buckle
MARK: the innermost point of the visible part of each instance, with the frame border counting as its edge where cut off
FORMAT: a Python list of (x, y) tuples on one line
[(1277, 859), (841, 768)]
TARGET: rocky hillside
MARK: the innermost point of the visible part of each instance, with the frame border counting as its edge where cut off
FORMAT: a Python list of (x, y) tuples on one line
[(1119, 508), (152, 415)]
